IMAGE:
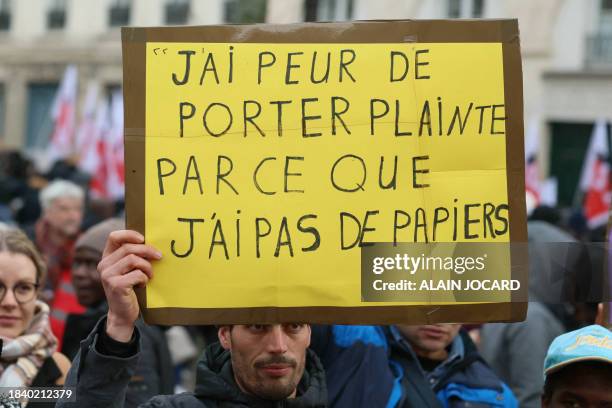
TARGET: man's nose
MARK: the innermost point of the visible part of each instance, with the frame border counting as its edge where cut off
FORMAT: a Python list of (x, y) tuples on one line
[(75, 214), (79, 271), (277, 340)]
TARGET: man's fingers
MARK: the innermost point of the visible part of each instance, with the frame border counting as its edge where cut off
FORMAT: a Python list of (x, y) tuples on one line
[(119, 284), (120, 237), (141, 250), (136, 278), (126, 265)]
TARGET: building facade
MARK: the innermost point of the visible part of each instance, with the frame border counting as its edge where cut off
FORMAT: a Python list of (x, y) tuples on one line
[(566, 47), (39, 38)]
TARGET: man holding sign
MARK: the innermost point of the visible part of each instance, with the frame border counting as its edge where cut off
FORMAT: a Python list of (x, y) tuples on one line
[(253, 365), (280, 171)]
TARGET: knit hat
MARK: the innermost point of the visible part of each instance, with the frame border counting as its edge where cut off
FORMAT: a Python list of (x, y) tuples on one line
[(95, 237)]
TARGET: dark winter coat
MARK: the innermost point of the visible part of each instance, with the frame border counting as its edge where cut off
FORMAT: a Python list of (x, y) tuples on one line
[(372, 366), (101, 381), (154, 373)]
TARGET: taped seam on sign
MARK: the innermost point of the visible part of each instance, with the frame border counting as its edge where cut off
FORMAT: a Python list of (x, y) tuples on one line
[(134, 131)]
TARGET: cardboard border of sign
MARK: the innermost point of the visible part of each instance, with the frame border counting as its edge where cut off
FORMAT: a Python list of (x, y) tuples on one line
[(378, 31)]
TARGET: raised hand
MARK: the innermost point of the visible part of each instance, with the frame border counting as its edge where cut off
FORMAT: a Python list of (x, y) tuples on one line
[(125, 264)]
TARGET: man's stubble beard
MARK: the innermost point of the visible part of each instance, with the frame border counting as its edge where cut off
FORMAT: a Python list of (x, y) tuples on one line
[(251, 382)]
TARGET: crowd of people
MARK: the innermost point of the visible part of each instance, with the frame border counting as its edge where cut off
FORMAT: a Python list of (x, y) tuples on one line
[(69, 317)]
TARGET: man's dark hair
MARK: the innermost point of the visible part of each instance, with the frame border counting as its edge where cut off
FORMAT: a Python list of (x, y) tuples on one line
[(547, 214)]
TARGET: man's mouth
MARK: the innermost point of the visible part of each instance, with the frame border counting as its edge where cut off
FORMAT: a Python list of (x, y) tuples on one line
[(433, 332), (277, 370), (276, 366)]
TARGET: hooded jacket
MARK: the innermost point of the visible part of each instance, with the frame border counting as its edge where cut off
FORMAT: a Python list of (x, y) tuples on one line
[(351, 354), (102, 380), (154, 373)]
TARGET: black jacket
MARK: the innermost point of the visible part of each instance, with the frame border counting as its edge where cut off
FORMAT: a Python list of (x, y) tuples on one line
[(215, 386), (101, 381), (154, 373)]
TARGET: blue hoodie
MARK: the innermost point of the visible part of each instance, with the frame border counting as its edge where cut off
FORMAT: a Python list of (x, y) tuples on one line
[(374, 366)]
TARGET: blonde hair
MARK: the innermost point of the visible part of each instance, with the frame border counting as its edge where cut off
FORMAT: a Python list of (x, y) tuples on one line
[(15, 241)]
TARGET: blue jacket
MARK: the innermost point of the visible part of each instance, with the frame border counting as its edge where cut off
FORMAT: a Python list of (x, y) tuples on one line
[(373, 366)]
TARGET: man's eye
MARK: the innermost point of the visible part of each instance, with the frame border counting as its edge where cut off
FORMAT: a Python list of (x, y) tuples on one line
[(294, 327), (571, 403), (256, 327), (85, 263)]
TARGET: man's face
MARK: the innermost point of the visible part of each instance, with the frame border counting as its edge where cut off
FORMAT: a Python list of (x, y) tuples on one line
[(430, 341), (268, 359), (85, 277), (65, 215), (582, 387)]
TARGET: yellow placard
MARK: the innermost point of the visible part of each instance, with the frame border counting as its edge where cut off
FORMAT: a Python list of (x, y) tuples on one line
[(267, 165)]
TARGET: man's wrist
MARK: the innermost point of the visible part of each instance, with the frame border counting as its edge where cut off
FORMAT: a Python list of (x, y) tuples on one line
[(119, 330), (107, 346)]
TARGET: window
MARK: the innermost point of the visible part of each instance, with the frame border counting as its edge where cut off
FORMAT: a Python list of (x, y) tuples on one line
[(605, 17), (569, 144), (599, 43), (477, 8), (177, 11), (119, 13), (39, 124), (328, 10), (454, 8), (5, 15), (245, 11), (110, 89), (56, 15), (465, 8)]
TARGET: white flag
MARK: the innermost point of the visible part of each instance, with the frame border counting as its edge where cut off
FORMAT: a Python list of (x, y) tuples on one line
[(63, 114), (86, 130), (116, 168), (595, 178), (532, 171)]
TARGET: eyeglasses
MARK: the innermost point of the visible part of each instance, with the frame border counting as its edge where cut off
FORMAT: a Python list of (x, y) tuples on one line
[(23, 291)]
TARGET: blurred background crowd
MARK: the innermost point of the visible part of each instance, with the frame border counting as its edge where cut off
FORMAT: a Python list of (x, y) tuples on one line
[(61, 150), (61, 110)]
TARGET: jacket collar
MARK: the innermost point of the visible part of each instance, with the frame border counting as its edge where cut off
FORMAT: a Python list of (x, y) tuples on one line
[(215, 381), (456, 353)]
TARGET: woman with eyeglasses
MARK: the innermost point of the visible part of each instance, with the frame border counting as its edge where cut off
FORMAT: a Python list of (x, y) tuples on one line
[(29, 357)]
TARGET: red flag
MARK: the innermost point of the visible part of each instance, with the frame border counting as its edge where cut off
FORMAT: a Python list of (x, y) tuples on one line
[(532, 171), (87, 132), (95, 155), (595, 179), (63, 116), (108, 179), (116, 168)]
